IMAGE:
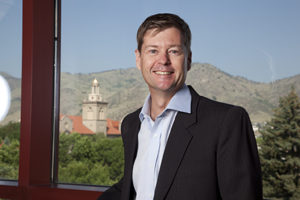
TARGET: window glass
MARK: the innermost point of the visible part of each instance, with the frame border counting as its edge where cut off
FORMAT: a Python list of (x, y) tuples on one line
[(10, 87), (244, 53)]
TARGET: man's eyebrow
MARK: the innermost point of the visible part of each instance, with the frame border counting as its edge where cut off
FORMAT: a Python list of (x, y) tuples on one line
[(176, 45), (151, 46), (156, 46)]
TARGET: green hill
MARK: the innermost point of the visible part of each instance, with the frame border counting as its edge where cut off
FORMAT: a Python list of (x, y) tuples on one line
[(125, 91)]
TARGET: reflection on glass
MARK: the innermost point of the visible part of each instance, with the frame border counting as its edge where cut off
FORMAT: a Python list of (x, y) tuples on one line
[(5, 97), (10, 87)]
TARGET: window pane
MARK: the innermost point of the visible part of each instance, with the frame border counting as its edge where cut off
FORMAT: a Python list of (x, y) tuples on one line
[(245, 54), (10, 87), (90, 148)]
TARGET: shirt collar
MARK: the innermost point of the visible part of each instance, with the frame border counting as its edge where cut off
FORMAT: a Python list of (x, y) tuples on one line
[(181, 102)]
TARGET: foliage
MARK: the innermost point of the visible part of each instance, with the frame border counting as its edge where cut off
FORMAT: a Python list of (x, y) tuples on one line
[(8, 171), (9, 153), (10, 131), (90, 159), (280, 150), (9, 160), (9, 150), (85, 173)]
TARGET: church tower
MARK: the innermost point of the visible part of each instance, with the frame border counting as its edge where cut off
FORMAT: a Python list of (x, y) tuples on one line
[(94, 110)]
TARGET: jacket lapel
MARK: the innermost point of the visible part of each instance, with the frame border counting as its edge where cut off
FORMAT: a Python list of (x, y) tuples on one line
[(179, 140)]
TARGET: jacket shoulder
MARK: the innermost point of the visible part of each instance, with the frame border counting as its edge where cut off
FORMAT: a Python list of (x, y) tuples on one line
[(209, 107), (130, 123), (131, 117)]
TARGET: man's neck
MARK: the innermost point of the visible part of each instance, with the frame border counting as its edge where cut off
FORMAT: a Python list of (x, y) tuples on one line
[(159, 101)]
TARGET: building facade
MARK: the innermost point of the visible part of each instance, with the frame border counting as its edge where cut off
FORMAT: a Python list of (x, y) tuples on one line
[(93, 119), (94, 110)]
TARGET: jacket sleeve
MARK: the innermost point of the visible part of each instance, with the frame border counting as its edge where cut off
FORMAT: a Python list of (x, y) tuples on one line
[(238, 165), (117, 191), (113, 193)]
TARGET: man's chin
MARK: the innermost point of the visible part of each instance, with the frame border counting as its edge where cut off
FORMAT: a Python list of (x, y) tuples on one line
[(167, 89)]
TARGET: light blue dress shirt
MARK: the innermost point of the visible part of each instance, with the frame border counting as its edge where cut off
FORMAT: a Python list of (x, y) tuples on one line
[(152, 139)]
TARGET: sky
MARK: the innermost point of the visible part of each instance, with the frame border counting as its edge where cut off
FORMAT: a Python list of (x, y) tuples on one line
[(257, 39)]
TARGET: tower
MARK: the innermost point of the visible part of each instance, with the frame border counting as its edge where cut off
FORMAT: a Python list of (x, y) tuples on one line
[(94, 110)]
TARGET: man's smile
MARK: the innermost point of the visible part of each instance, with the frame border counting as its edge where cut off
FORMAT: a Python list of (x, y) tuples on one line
[(162, 73)]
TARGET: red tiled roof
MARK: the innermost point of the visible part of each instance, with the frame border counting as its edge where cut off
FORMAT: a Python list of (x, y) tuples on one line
[(113, 127), (78, 126)]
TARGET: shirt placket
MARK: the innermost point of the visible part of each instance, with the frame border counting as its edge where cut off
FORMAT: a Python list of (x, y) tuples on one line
[(155, 149)]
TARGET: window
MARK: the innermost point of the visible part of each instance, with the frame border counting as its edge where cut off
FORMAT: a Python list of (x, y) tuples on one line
[(93, 152), (104, 101), (100, 84), (10, 87), (35, 178)]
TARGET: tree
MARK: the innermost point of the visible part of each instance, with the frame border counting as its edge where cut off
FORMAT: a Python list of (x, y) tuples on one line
[(280, 150), (9, 150), (9, 160), (90, 159), (10, 131), (110, 154), (80, 172)]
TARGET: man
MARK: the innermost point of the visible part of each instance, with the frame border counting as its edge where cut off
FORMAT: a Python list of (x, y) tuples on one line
[(180, 145)]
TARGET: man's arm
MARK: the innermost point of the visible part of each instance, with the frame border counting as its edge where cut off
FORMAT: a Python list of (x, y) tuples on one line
[(113, 193), (238, 166)]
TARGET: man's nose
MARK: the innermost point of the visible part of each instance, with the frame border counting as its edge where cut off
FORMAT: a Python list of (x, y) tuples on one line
[(164, 58)]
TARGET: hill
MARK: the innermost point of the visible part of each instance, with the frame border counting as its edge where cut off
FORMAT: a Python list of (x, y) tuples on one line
[(125, 91)]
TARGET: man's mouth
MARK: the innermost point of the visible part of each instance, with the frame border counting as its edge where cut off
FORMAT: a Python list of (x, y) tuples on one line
[(162, 73)]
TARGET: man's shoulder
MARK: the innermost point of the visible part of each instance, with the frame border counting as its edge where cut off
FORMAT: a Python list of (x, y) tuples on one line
[(206, 105), (220, 108), (129, 124), (132, 117)]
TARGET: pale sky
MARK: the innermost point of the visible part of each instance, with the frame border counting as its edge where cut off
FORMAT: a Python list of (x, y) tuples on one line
[(257, 39)]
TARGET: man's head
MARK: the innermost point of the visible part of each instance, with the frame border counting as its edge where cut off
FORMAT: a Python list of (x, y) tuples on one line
[(162, 21), (163, 55)]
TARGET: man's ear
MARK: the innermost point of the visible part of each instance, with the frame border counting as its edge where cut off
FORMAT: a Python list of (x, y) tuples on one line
[(189, 61), (137, 59)]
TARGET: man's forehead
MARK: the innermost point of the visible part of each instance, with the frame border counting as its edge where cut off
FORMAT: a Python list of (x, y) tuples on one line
[(154, 31), (179, 46)]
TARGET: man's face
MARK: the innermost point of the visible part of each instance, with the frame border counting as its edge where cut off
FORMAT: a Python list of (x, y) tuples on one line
[(163, 60)]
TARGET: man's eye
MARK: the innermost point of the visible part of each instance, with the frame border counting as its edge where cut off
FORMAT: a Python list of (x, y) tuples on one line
[(152, 51), (174, 52)]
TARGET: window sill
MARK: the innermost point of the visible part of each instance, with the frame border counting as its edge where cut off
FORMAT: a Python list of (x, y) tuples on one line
[(12, 190)]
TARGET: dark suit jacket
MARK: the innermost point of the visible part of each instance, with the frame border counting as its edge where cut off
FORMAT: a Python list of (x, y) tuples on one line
[(211, 154)]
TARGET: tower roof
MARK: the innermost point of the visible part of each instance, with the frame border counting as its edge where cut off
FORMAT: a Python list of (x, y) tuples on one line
[(95, 83)]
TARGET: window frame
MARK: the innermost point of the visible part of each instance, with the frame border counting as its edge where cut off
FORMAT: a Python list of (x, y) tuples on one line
[(40, 108)]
